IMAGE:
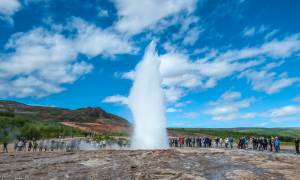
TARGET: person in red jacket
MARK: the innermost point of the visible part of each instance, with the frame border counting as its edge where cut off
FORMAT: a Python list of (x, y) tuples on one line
[(180, 140)]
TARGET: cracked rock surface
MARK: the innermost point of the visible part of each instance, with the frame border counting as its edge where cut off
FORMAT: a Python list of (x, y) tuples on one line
[(150, 164)]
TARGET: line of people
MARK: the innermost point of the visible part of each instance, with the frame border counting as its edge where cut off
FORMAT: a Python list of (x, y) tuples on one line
[(64, 144), (41, 145), (258, 143), (261, 143), (205, 142)]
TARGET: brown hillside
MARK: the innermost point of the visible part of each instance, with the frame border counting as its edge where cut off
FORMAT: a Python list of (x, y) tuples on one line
[(89, 119)]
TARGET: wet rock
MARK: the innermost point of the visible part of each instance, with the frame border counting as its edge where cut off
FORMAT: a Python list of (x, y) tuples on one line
[(150, 164)]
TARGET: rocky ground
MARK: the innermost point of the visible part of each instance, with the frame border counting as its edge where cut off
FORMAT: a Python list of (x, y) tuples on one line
[(148, 164)]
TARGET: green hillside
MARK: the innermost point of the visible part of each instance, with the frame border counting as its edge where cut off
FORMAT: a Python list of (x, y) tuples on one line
[(12, 127)]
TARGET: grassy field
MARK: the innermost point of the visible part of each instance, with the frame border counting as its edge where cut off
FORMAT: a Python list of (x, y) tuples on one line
[(285, 134)]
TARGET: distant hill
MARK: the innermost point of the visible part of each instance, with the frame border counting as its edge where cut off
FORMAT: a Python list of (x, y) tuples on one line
[(285, 134), (88, 119), (97, 120)]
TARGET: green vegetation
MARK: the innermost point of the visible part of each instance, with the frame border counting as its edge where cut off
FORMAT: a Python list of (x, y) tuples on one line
[(285, 134), (7, 114), (101, 137), (12, 127)]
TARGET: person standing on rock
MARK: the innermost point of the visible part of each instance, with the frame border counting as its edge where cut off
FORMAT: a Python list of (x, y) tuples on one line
[(180, 140), (297, 145), (221, 142), (271, 143), (277, 144), (29, 146), (35, 146), (230, 142), (5, 144)]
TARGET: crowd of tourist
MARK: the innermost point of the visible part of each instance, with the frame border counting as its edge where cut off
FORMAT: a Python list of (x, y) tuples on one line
[(62, 144), (255, 143), (205, 142), (260, 143)]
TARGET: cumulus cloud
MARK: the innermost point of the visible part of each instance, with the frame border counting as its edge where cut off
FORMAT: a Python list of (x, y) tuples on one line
[(251, 31), (93, 41), (228, 106), (39, 62), (172, 110), (136, 16), (188, 33), (182, 104), (191, 115), (9, 7), (297, 98), (271, 34), (182, 74), (268, 82), (173, 94), (178, 70), (116, 99), (285, 111), (103, 13), (39, 69), (191, 36)]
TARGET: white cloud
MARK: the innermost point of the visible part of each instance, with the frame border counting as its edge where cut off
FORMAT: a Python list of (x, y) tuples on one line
[(172, 110), (267, 81), (39, 69), (93, 41), (271, 34), (179, 71), (274, 49), (179, 124), (40, 62), (297, 98), (249, 31), (191, 115), (182, 104), (136, 16), (285, 111), (189, 30), (192, 36), (230, 96), (9, 7), (173, 94), (228, 106), (103, 13), (181, 74), (273, 65), (116, 99), (128, 75), (248, 115), (281, 48)]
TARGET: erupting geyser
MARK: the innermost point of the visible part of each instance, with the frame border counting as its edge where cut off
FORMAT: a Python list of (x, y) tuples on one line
[(147, 104)]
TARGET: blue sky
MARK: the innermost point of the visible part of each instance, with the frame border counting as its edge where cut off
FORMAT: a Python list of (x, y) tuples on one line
[(224, 63)]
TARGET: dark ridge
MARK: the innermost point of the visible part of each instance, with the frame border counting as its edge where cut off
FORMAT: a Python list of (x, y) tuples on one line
[(44, 113)]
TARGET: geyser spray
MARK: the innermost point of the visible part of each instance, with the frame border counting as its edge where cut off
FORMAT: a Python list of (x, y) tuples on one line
[(147, 104)]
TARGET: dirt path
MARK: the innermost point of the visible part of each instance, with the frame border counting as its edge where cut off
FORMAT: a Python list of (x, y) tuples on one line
[(158, 164)]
